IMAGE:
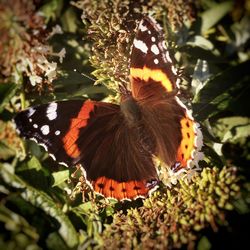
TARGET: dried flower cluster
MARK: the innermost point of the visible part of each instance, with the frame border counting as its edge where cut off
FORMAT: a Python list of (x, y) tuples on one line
[(171, 218), (24, 49), (9, 141)]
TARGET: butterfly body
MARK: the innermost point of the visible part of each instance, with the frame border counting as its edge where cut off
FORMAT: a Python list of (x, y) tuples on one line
[(131, 111), (117, 144)]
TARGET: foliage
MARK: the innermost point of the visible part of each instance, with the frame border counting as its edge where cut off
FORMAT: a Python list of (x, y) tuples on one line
[(46, 206)]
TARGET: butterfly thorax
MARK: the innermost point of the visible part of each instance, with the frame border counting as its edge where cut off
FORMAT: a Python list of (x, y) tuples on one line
[(131, 111), (134, 120)]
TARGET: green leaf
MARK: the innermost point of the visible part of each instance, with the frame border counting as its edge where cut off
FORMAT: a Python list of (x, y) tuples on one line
[(110, 211), (5, 151), (15, 222), (60, 177), (84, 208), (52, 9), (242, 203), (44, 202), (55, 242), (69, 20), (231, 129), (7, 91), (35, 149), (215, 14), (215, 95), (204, 244), (197, 51), (32, 163), (212, 156), (202, 42)]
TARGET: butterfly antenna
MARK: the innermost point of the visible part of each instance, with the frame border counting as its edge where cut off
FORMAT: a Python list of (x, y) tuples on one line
[(87, 76), (122, 88), (125, 93)]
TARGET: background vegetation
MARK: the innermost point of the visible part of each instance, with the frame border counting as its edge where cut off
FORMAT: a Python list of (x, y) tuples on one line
[(46, 206)]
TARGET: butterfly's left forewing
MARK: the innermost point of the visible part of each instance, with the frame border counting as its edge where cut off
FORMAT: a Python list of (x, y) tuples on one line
[(56, 126)]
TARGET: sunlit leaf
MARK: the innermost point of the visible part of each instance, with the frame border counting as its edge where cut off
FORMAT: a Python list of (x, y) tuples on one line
[(232, 128), (51, 9), (5, 151), (69, 20), (60, 177), (83, 208), (7, 91), (202, 42), (213, 15), (44, 202)]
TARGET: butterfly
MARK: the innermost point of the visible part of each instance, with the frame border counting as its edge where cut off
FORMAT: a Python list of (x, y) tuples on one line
[(116, 144)]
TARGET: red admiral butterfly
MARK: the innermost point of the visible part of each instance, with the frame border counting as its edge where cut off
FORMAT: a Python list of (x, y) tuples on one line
[(116, 144)]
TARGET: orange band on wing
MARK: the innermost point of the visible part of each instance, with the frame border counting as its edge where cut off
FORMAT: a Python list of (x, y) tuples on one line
[(187, 145), (69, 140), (120, 190), (155, 74)]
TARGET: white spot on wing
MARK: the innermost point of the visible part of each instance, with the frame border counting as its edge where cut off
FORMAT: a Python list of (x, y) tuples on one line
[(178, 80), (188, 112), (168, 57), (155, 49), (189, 163), (164, 45), (156, 61), (30, 120), (31, 111), (18, 131), (174, 70), (155, 24), (141, 46), (44, 146), (53, 157), (33, 139), (35, 126), (142, 28), (153, 190), (45, 129), (199, 136), (51, 111), (63, 163), (153, 39), (57, 132), (180, 102)]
